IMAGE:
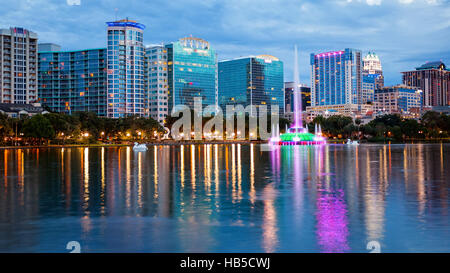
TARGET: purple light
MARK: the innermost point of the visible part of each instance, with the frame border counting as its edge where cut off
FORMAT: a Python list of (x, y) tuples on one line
[(332, 221), (329, 53)]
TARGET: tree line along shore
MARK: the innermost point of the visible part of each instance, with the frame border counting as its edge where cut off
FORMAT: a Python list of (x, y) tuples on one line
[(84, 128)]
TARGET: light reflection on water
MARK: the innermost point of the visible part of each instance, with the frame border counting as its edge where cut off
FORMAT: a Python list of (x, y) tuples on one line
[(225, 198)]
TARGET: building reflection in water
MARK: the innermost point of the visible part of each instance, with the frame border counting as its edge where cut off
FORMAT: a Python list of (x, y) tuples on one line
[(216, 172), (269, 226), (182, 167), (5, 167), (252, 192), (269, 195), (86, 176), (164, 184), (374, 201), (193, 170), (300, 157), (421, 191), (218, 197), (331, 209)]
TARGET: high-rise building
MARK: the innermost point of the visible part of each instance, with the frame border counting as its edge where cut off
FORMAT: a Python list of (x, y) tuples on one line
[(72, 81), (336, 77), (372, 67), (433, 79), (18, 66), (398, 99), (48, 47), (126, 88), (368, 89), (156, 82), (254, 80), (192, 72), (289, 96)]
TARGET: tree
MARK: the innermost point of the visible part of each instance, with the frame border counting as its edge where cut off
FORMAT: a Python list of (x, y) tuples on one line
[(60, 123), (437, 125), (335, 124), (410, 128), (5, 126), (431, 120), (349, 129), (39, 127), (397, 133)]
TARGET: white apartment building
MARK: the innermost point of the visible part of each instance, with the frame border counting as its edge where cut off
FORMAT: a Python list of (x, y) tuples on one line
[(18, 66)]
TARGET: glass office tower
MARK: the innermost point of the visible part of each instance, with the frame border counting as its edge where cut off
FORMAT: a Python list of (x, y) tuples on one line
[(192, 72), (369, 84), (126, 90), (336, 77), (73, 81), (156, 82), (289, 96), (254, 80)]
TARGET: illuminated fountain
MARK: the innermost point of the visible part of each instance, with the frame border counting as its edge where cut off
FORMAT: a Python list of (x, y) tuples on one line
[(297, 134)]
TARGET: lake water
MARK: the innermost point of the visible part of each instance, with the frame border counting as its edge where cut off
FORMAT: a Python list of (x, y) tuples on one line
[(226, 198)]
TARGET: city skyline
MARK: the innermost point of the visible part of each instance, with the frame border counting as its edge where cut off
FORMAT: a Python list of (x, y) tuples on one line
[(234, 29)]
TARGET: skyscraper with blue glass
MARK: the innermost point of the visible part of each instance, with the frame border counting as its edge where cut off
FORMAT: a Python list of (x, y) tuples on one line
[(156, 82), (368, 88), (254, 80), (73, 81), (336, 77), (192, 72), (126, 87)]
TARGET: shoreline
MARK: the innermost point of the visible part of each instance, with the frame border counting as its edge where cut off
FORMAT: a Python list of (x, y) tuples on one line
[(164, 143), (193, 142)]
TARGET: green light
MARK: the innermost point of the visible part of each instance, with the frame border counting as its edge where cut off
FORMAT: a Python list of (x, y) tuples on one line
[(301, 136)]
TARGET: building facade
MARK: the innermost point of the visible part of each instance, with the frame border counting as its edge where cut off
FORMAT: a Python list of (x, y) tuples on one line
[(126, 93), (352, 110), (18, 66), (368, 89), (398, 99), (192, 72), (372, 67), (253, 80), (73, 81), (289, 96), (48, 47), (434, 80), (156, 82), (13, 110), (336, 77)]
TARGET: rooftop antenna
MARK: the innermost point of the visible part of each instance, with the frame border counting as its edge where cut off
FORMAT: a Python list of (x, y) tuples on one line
[(115, 11)]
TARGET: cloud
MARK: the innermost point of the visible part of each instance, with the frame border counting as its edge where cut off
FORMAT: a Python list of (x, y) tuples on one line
[(73, 2), (368, 2), (373, 2), (252, 27)]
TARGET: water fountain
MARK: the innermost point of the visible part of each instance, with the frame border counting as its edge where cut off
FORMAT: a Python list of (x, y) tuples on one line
[(297, 134)]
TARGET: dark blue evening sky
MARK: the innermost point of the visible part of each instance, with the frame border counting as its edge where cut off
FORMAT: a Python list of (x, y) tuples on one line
[(404, 33)]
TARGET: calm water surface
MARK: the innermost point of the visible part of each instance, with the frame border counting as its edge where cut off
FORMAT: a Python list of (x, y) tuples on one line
[(226, 198)]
